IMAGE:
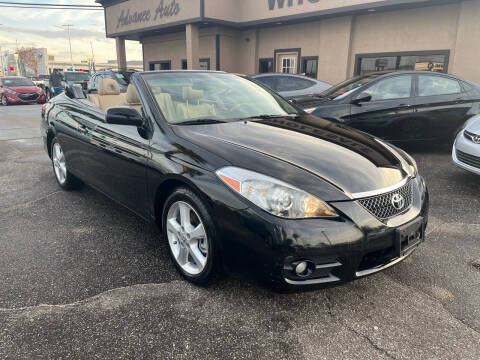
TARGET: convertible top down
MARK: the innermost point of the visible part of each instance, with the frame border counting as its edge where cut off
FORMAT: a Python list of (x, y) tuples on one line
[(239, 178)]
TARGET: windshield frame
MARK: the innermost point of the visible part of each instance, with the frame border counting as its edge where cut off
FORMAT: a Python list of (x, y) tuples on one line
[(147, 76)]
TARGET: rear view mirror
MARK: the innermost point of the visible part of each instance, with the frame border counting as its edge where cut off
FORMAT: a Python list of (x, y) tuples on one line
[(124, 116), (362, 98)]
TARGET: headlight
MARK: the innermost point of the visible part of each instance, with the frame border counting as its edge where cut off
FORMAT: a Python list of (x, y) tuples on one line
[(275, 196), (10, 91)]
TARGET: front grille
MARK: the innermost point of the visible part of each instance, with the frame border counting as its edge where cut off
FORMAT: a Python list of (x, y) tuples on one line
[(468, 159), (381, 206), (28, 97)]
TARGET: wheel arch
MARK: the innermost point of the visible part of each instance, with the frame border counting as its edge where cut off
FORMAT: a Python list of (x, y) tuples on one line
[(165, 188)]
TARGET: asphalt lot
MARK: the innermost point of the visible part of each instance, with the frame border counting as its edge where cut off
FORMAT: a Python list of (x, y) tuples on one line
[(81, 277)]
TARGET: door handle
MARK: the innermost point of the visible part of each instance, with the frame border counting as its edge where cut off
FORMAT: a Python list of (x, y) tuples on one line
[(404, 106)]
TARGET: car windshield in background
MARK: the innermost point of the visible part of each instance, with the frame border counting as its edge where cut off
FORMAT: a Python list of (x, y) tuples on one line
[(120, 78), (189, 97), (81, 76), (18, 82), (347, 86), (126, 75)]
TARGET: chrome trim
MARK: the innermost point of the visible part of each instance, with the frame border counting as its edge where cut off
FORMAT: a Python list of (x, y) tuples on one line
[(386, 266), (326, 266), (367, 194), (331, 278)]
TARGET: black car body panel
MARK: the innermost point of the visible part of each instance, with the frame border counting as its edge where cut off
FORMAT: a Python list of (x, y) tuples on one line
[(138, 166), (416, 117)]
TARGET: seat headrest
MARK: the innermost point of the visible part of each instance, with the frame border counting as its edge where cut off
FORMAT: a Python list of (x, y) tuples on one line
[(190, 94), (156, 90), (108, 87), (132, 95)]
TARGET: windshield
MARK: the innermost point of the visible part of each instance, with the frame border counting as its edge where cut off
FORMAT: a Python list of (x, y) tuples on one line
[(18, 82), (347, 86), (189, 96), (80, 76)]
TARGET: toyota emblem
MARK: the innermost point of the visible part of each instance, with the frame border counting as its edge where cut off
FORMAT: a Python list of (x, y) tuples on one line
[(398, 201)]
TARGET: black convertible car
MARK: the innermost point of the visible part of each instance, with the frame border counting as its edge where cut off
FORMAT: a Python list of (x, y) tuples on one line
[(399, 106), (238, 178)]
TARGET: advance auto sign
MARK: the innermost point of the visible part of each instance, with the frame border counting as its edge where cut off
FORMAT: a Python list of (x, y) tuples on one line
[(140, 14)]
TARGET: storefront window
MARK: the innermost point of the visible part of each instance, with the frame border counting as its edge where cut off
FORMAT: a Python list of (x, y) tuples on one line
[(425, 61), (266, 66), (161, 65), (204, 64), (310, 67)]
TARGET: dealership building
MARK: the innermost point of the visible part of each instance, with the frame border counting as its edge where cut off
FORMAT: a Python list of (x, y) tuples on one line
[(326, 39)]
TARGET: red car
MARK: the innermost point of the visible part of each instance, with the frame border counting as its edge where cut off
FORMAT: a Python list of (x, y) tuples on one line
[(20, 90)]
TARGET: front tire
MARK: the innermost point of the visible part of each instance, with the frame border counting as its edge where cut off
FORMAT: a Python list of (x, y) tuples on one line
[(190, 234), (4, 100), (64, 178)]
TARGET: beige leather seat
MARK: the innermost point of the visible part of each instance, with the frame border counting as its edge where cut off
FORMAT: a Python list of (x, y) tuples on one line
[(166, 105), (192, 109), (108, 95), (132, 98)]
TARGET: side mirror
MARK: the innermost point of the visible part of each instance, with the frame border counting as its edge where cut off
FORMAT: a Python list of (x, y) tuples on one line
[(362, 98), (124, 116)]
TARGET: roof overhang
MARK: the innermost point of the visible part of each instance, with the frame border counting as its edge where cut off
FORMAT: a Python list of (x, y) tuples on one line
[(134, 19)]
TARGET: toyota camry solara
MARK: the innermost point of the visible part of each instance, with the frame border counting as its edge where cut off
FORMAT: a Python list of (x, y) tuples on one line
[(240, 179)]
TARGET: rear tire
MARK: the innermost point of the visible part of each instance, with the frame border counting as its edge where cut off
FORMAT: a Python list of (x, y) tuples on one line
[(191, 237), (65, 179)]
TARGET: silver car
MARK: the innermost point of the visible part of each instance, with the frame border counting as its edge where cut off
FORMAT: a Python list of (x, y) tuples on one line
[(466, 149), (289, 85)]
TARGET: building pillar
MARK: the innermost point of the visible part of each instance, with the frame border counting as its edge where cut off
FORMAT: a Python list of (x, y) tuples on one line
[(121, 53), (193, 40)]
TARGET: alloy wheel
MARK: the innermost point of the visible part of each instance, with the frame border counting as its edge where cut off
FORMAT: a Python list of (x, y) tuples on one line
[(59, 163), (4, 100), (187, 238)]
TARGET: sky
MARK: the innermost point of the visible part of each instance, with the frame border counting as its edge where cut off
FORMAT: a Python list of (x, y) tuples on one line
[(42, 29)]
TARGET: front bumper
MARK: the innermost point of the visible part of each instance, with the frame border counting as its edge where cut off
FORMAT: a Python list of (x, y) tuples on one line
[(353, 246)]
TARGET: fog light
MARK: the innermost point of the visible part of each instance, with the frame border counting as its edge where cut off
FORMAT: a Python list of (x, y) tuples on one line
[(301, 268)]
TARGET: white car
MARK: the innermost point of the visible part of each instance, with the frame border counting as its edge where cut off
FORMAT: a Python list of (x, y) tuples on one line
[(466, 149)]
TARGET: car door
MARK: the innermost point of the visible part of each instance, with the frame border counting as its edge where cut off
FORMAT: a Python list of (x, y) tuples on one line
[(441, 106), (120, 167), (390, 109)]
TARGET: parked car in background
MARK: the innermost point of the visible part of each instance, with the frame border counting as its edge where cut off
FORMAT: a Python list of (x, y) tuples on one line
[(122, 77), (20, 90), (198, 152), (289, 85), (466, 149), (399, 106), (69, 78)]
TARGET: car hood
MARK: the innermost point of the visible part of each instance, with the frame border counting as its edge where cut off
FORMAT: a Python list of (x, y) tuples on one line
[(23, 89), (350, 160)]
